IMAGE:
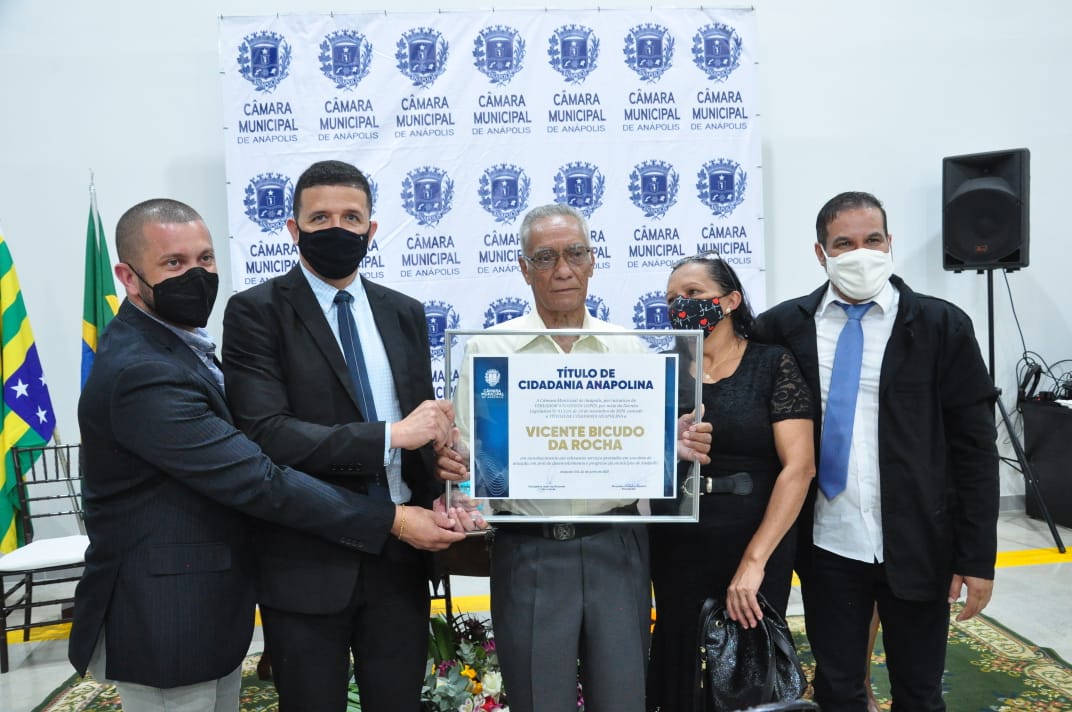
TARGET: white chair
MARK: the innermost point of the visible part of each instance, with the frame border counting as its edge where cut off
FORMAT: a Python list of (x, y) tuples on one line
[(48, 483)]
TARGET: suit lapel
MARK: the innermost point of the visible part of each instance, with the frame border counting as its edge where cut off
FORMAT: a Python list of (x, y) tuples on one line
[(296, 290), (168, 342), (897, 348), (802, 340), (389, 324)]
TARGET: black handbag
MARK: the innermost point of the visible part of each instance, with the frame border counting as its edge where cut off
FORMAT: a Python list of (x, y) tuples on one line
[(738, 668)]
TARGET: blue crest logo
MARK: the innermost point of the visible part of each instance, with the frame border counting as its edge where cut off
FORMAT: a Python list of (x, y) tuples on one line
[(269, 201), (650, 312), (721, 184), (579, 185), (597, 307), (264, 60), (574, 51), (653, 187), (716, 50), (345, 57), (649, 50), (504, 309), (427, 194), (440, 316), (499, 52), (504, 192), (422, 55), (374, 189)]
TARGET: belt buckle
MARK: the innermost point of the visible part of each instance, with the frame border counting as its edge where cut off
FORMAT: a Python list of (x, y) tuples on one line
[(563, 532), (703, 486)]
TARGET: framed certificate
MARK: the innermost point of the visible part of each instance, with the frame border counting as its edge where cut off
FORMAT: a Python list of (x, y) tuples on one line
[(585, 434)]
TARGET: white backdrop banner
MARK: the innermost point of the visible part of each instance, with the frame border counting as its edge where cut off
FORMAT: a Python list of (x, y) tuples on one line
[(647, 122)]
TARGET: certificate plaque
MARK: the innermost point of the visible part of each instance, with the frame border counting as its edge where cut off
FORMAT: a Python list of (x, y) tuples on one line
[(589, 434)]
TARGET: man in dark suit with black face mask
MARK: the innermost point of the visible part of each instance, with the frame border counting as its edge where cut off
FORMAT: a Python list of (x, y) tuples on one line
[(165, 605), (330, 373)]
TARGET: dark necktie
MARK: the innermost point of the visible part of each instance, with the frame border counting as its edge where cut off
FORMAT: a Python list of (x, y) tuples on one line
[(841, 402), (351, 350)]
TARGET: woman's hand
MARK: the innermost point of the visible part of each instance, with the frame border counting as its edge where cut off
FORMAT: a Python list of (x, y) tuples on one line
[(741, 601)]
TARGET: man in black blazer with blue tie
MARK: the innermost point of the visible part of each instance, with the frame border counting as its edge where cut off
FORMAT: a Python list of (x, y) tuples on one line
[(903, 513), (356, 411), (165, 605)]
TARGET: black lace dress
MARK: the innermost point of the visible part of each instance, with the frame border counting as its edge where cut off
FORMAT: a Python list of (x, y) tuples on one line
[(690, 562)]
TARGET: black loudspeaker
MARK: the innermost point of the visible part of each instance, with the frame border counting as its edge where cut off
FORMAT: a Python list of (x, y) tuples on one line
[(985, 210)]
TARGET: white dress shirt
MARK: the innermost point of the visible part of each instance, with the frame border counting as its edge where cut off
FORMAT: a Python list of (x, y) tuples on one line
[(381, 379), (850, 525)]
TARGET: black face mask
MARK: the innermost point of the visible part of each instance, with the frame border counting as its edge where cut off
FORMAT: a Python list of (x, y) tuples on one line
[(334, 252), (703, 314), (185, 300)]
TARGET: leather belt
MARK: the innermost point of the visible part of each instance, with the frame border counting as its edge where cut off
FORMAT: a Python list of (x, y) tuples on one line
[(739, 483), (558, 532), (565, 531)]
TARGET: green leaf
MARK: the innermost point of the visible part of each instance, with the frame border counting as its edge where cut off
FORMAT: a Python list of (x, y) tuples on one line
[(353, 699), (442, 643)]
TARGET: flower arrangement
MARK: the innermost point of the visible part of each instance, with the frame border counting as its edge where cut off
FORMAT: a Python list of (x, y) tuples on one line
[(463, 668)]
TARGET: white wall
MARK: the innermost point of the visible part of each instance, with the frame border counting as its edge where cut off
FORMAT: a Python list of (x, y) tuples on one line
[(857, 95)]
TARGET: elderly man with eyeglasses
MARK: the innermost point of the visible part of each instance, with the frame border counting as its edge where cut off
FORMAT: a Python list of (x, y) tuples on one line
[(565, 593)]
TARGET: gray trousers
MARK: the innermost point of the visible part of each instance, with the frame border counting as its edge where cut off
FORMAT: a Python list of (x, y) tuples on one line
[(556, 602), (219, 695)]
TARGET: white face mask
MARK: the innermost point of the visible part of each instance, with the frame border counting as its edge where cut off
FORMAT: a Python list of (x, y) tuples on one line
[(860, 274)]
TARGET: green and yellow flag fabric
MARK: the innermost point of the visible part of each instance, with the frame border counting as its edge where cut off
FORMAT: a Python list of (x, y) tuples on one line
[(28, 418), (99, 303)]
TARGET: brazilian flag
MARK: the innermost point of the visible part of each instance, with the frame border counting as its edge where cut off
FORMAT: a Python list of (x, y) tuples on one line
[(99, 303)]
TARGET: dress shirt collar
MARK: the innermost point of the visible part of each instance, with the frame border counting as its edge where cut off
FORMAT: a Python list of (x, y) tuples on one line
[(325, 293), (199, 341), (532, 322), (884, 301)]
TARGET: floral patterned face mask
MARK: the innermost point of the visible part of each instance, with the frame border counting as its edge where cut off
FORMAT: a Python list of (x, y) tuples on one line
[(702, 314)]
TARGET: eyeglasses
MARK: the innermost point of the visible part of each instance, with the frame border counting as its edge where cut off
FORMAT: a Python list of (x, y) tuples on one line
[(576, 255)]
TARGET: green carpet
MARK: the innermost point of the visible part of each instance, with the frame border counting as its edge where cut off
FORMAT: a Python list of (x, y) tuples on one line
[(988, 668)]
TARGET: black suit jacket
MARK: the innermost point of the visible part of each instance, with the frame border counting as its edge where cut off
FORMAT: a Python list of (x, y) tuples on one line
[(290, 390), (169, 482), (937, 440)]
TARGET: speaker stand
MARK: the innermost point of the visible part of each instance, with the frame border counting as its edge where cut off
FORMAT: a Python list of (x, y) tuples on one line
[(1030, 481)]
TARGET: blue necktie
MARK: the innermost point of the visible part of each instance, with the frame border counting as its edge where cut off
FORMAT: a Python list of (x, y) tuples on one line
[(355, 362), (841, 402), (351, 350)]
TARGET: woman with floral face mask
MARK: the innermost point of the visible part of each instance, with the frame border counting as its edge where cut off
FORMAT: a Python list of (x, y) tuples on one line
[(762, 460)]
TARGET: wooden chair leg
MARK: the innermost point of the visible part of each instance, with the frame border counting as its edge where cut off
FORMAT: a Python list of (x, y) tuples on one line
[(3, 629), (448, 602), (28, 600), (3, 625)]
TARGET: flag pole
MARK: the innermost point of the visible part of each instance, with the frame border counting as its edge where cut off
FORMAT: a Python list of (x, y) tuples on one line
[(99, 302), (92, 192)]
